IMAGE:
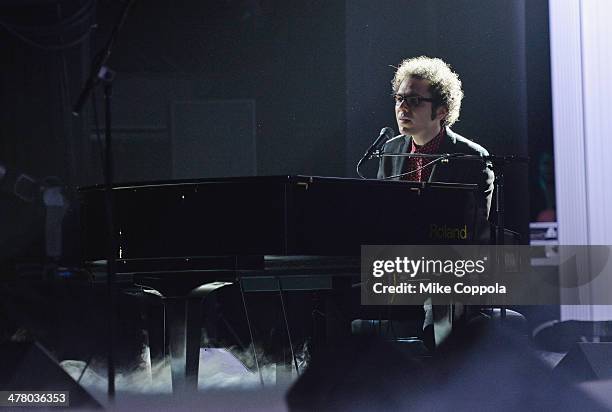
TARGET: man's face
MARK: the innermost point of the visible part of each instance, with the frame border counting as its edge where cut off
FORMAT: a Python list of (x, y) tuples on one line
[(416, 120)]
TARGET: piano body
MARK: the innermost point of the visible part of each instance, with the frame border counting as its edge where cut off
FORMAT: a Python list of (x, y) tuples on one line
[(288, 215), (185, 239)]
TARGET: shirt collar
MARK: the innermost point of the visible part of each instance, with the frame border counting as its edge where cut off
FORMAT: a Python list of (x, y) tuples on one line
[(430, 147)]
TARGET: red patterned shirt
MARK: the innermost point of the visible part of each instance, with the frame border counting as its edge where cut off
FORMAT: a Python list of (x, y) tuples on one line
[(414, 163)]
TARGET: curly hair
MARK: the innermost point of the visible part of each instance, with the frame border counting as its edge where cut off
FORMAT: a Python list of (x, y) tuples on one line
[(444, 83)]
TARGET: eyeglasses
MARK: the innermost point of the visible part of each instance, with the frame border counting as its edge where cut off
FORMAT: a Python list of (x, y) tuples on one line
[(412, 101)]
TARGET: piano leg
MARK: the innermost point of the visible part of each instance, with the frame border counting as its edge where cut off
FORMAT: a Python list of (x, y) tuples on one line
[(152, 311), (341, 306), (183, 319), (183, 315)]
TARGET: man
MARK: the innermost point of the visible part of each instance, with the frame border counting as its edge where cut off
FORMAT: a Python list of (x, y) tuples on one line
[(428, 97)]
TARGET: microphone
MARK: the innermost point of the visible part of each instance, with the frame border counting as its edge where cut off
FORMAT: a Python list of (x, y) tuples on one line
[(386, 133)]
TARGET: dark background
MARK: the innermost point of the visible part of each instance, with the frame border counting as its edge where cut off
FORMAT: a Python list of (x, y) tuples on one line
[(285, 87)]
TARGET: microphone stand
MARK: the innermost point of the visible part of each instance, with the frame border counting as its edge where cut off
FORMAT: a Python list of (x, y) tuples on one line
[(498, 164), (374, 150), (100, 73)]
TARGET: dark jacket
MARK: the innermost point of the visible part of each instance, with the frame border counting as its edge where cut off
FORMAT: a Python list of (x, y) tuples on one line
[(454, 171)]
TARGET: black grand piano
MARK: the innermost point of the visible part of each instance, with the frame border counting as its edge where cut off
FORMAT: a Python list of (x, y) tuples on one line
[(185, 239)]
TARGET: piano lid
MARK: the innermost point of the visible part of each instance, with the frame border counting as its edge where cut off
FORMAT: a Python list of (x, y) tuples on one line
[(274, 215), (295, 179)]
